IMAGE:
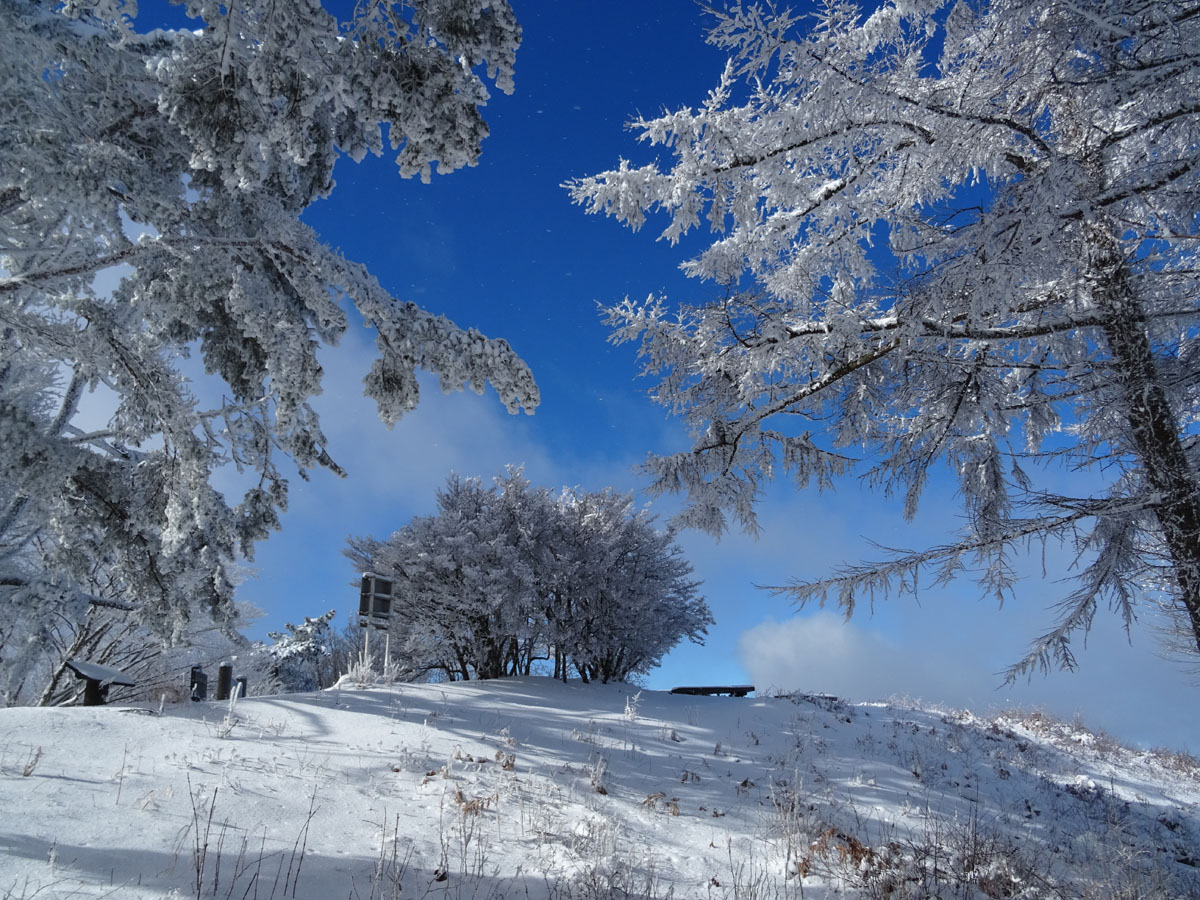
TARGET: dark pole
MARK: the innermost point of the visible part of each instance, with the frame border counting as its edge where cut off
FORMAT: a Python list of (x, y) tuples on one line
[(224, 681), (199, 684)]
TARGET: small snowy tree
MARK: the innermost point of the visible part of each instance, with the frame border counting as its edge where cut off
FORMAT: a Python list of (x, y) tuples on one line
[(947, 230), (151, 188), (301, 655)]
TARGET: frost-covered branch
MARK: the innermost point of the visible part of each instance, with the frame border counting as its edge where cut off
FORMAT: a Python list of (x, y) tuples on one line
[(177, 164), (945, 233)]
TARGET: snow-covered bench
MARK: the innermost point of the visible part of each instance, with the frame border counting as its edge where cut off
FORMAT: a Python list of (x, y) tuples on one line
[(734, 690), (97, 679)]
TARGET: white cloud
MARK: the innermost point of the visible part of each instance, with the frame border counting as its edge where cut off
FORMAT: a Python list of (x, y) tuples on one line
[(949, 652), (817, 653)]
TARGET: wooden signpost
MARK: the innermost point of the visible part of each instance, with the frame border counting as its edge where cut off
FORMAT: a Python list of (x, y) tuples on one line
[(375, 611)]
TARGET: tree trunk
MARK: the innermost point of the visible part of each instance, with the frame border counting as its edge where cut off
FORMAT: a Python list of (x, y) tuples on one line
[(1154, 431), (463, 669)]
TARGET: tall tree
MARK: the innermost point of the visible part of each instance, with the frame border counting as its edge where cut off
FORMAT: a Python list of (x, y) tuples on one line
[(959, 232), (151, 187)]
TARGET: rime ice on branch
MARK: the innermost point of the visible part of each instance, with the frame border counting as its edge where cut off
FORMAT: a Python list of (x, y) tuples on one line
[(175, 165), (944, 232)]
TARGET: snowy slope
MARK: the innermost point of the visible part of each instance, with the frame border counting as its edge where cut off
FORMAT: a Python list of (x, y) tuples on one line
[(533, 788)]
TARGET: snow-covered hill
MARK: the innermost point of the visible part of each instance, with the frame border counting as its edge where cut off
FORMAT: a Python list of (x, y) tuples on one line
[(531, 788)]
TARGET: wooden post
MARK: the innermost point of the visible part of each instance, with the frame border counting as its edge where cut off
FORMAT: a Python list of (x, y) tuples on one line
[(199, 684), (224, 681), (93, 694)]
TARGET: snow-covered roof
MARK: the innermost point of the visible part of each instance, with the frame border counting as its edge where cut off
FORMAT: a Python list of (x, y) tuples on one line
[(103, 674)]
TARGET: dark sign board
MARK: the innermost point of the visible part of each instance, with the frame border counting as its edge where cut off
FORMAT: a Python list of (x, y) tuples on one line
[(374, 598)]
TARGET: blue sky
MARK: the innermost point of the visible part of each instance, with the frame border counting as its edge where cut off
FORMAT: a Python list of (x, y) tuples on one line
[(499, 247)]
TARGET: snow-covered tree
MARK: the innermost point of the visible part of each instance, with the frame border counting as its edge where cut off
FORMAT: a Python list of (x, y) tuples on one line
[(626, 597), (301, 655), (461, 588), (945, 231), (151, 187), (505, 576)]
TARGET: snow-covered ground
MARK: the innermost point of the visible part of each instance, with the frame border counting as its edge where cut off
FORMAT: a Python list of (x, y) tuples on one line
[(532, 788)]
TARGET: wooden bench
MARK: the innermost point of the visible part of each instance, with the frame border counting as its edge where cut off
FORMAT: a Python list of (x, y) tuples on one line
[(97, 679), (734, 690)]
